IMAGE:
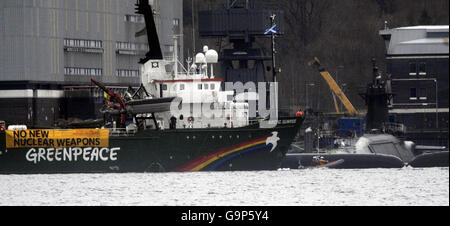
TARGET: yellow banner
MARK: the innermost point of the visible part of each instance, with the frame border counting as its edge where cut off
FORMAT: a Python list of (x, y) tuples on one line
[(44, 138)]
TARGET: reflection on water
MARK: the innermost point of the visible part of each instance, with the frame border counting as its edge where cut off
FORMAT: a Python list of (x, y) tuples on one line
[(407, 186)]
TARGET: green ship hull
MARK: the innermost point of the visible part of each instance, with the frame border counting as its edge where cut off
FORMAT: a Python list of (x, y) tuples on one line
[(227, 149)]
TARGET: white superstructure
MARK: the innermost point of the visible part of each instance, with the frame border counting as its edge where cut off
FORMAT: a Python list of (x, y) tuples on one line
[(204, 104)]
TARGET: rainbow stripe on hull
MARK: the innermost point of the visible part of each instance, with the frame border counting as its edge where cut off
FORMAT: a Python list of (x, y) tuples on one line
[(214, 160)]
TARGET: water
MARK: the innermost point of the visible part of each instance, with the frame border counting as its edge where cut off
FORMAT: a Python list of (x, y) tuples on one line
[(407, 186)]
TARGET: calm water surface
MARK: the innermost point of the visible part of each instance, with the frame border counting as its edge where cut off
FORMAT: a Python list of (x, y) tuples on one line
[(407, 186)]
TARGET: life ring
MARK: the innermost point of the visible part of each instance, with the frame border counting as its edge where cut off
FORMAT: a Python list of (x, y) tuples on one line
[(155, 167), (191, 119)]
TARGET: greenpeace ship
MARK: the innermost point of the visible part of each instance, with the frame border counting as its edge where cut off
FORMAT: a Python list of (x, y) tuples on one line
[(178, 120)]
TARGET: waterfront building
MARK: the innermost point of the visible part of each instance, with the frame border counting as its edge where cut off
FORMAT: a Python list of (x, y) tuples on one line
[(417, 64), (49, 50)]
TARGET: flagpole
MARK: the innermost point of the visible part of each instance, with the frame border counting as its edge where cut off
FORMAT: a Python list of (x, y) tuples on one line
[(274, 72)]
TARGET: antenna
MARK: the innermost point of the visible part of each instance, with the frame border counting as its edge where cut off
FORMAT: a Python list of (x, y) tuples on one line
[(175, 55), (193, 28)]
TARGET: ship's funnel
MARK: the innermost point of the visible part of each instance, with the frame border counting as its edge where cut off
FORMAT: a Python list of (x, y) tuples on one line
[(143, 7)]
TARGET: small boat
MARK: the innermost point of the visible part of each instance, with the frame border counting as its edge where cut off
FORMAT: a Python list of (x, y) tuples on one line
[(331, 164), (321, 162)]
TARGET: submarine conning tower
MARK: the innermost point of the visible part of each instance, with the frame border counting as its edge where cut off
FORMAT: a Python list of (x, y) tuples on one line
[(240, 23), (378, 97)]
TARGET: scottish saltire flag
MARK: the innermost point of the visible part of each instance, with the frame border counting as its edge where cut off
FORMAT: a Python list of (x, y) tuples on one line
[(272, 30)]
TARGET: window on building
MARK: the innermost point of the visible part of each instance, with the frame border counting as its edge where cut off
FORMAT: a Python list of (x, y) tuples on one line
[(127, 73), (176, 22), (168, 52), (83, 43), (235, 64), (83, 71), (134, 18), (422, 68), (423, 94), (169, 48), (251, 64), (413, 94), (412, 69), (131, 46)]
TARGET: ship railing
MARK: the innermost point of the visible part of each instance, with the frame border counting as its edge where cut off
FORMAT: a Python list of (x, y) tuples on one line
[(122, 132), (327, 133), (395, 127)]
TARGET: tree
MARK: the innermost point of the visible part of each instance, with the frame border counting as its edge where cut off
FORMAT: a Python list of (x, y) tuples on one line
[(425, 19)]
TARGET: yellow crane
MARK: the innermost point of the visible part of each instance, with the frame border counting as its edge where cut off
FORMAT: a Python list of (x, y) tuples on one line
[(334, 88)]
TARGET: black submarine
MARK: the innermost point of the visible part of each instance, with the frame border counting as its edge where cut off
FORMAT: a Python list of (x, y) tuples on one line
[(380, 148)]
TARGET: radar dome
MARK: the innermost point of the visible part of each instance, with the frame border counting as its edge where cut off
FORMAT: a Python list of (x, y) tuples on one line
[(212, 56), (200, 58), (205, 49)]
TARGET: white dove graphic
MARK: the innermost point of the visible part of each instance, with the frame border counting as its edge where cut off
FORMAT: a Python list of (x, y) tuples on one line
[(273, 140)]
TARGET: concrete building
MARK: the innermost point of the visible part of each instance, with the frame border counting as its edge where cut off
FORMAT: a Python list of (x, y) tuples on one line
[(417, 61), (49, 49)]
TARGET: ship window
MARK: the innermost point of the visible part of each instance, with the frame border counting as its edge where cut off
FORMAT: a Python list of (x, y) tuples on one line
[(412, 69), (206, 86), (386, 148), (422, 69), (213, 86), (164, 87), (182, 87), (200, 86), (437, 35)]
